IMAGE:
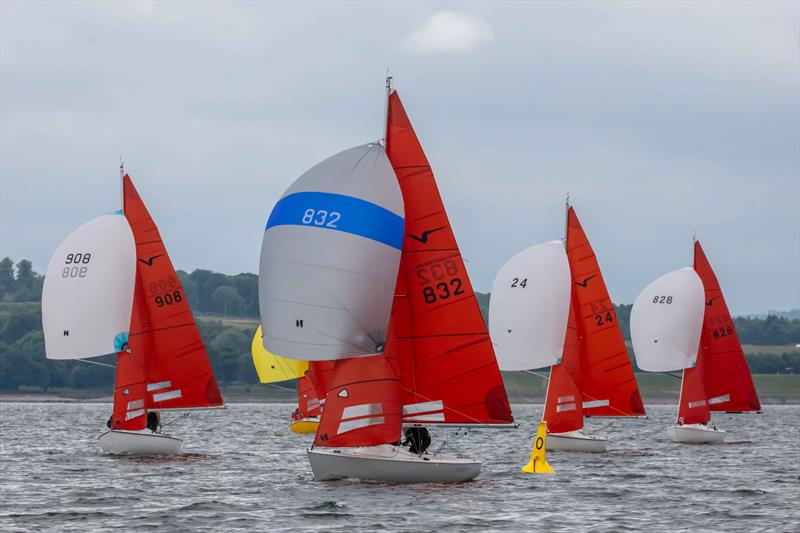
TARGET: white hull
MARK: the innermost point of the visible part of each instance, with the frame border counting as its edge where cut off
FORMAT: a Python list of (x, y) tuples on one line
[(390, 463), (695, 434), (575, 441), (145, 442)]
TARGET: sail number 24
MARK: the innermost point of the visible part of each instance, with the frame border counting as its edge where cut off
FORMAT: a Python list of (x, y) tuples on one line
[(434, 282), (76, 265)]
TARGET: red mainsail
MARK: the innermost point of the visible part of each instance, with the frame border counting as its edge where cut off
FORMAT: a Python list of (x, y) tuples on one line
[(726, 377), (607, 381), (438, 366), (448, 368), (165, 365)]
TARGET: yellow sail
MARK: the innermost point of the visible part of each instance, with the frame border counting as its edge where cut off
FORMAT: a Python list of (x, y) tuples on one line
[(272, 368)]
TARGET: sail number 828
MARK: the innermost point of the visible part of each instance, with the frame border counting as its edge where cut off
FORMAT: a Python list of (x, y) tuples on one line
[(662, 299)]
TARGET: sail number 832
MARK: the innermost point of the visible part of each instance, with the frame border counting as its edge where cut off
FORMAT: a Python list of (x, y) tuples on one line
[(321, 217), (435, 284)]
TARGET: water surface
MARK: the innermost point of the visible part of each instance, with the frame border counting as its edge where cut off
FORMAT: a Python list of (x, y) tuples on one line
[(244, 470)]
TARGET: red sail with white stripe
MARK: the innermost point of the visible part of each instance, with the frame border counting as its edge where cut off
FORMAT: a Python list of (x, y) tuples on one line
[(307, 400), (693, 403), (563, 406), (313, 387), (447, 364), (727, 378), (363, 405), (165, 365), (606, 378)]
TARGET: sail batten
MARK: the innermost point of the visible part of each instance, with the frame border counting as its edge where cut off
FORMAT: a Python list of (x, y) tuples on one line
[(444, 349), (727, 376), (606, 371), (164, 345)]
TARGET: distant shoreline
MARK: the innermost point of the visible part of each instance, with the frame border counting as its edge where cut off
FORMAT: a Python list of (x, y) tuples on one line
[(238, 398)]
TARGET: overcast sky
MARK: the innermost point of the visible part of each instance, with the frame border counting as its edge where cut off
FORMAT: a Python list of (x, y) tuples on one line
[(658, 118)]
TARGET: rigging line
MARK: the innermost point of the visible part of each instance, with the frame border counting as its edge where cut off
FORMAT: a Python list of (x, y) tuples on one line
[(96, 363), (673, 375), (280, 387), (589, 396), (182, 415), (465, 415)]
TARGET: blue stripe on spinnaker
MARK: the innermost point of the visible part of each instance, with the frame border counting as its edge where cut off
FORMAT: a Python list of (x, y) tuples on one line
[(340, 213)]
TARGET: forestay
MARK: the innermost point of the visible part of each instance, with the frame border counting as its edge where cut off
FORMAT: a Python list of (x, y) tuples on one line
[(666, 320), (330, 257), (88, 290), (529, 307)]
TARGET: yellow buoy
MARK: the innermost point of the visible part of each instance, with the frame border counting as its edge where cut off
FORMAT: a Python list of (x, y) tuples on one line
[(538, 463)]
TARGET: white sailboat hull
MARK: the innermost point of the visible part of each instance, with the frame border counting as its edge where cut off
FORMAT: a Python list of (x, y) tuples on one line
[(695, 434), (576, 441), (145, 442), (391, 464)]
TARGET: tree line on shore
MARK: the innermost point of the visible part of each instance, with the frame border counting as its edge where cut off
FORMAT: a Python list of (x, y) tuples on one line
[(215, 296)]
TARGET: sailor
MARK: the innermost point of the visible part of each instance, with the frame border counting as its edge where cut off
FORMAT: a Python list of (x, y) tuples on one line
[(417, 439), (108, 423), (296, 414), (153, 421)]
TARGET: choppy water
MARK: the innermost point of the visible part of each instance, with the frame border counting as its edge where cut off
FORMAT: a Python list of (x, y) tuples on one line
[(243, 470)]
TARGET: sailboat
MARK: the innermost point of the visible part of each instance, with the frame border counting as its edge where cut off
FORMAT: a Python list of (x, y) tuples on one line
[(111, 288), (549, 306), (312, 382), (681, 322), (359, 265)]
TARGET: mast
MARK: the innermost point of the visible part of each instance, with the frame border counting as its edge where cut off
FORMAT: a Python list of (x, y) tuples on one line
[(566, 219), (121, 185), (384, 133)]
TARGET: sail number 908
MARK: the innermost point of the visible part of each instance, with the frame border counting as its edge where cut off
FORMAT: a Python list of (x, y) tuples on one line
[(76, 271), (321, 217)]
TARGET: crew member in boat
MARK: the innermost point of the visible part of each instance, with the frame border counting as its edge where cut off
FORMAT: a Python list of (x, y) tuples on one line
[(418, 439), (153, 421), (296, 415)]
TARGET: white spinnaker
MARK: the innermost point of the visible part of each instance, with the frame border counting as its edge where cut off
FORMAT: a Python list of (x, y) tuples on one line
[(666, 322), (88, 290), (330, 257), (529, 307)]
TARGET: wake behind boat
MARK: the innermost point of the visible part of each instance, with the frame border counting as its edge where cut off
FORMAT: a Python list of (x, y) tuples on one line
[(131, 303)]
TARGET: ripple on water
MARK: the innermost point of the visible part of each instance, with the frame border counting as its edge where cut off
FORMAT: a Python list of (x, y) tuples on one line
[(244, 471)]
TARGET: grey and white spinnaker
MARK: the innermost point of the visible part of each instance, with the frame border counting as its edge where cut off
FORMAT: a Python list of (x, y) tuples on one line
[(330, 257), (529, 307), (666, 322), (88, 290)]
